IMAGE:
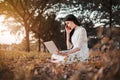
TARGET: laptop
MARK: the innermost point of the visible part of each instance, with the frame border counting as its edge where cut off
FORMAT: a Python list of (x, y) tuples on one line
[(52, 48)]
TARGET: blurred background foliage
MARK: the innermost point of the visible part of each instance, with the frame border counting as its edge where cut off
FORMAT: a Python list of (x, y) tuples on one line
[(44, 19)]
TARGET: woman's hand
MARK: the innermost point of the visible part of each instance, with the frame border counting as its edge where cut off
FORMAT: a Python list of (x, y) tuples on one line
[(68, 29), (62, 53)]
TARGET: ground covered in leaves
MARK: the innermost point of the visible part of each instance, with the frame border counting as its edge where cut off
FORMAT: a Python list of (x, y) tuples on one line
[(15, 65)]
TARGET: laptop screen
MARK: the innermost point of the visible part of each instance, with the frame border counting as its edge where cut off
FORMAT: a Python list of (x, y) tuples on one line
[(52, 48)]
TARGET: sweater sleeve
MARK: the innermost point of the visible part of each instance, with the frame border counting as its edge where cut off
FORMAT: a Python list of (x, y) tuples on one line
[(82, 38)]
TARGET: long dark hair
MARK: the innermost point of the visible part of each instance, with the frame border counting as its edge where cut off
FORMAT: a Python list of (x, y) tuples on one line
[(72, 18)]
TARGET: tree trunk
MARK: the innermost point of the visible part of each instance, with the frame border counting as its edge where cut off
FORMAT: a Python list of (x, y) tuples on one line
[(39, 45), (27, 39)]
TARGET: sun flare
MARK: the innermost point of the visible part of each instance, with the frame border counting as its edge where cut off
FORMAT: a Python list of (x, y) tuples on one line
[(5, 34)]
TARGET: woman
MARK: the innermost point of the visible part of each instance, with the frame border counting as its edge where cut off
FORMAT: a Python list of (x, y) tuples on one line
[(76, 41)]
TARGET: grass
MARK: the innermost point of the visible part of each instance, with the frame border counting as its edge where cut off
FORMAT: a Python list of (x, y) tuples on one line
[(12, 62), (17, 65)]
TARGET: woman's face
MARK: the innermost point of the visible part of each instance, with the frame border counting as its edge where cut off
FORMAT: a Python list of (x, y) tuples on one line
[(70, 24)]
